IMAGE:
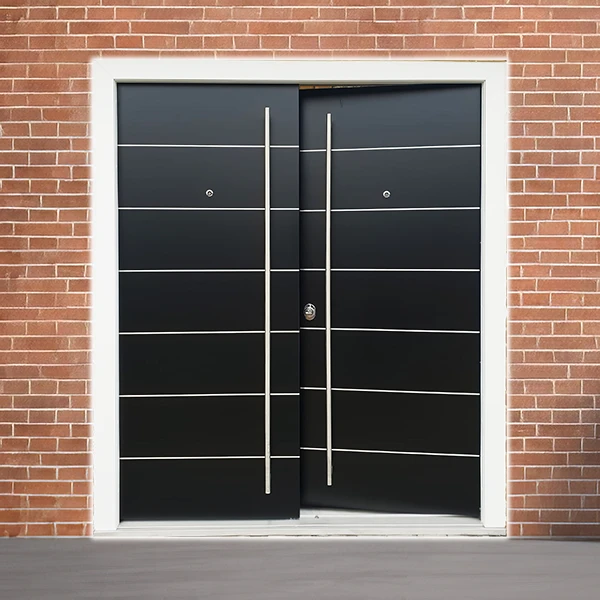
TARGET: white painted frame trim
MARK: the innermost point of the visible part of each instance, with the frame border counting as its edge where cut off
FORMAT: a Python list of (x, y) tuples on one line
[(107, 72)]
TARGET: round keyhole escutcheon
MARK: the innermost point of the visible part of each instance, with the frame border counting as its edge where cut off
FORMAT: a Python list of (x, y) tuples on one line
[(310, 312)]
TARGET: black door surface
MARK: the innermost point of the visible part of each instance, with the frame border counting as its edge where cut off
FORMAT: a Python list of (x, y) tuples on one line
[(404, 295), (192, 197), (208, 428)]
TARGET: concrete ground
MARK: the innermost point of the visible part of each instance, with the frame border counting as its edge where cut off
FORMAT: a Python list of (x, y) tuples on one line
[(300, 569)]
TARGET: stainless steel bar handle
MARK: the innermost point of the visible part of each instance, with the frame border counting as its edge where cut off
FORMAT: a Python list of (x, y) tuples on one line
[(328, 300), (267, 302)]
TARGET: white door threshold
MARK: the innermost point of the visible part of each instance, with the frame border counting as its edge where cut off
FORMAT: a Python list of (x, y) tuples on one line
[(311, 523)]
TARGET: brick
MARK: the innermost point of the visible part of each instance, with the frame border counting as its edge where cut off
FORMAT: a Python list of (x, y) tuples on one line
[(41, 529), (539, 458), (575, 530), (72, 529)]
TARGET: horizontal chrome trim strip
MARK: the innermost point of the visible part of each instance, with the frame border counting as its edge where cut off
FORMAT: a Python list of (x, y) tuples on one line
[(205, 332), (206, 270), (398, 270), (188, 332), (389, 330), (198, 457), (227, 395), (407, 270), (191, 270), (441, 147), (395, 452), (205, 146), (404, 330), (205, 208), (321, 389), (392, 209), (405, 209)]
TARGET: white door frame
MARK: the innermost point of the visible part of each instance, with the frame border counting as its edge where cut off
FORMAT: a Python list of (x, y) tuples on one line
[(107, 72)]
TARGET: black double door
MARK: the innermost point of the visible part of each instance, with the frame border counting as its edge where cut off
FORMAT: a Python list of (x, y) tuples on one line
[(356, 213)]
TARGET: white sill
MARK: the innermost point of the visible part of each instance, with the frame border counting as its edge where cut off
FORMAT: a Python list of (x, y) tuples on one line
[(320, 523)]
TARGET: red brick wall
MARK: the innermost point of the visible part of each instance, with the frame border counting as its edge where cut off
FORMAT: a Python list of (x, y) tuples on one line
[(553, 49)]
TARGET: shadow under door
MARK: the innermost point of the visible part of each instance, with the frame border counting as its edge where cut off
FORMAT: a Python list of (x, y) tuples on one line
[(355, 212)]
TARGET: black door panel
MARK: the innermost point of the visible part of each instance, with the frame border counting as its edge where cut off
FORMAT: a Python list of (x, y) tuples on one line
[(392, 116), (212, 239), (312, 358), (178, 426), (192, 364), (172, 490), (435, 362), (444, 239), (191, 239), (405, 240), (181, 177), (393, 422), (207, 363), (192, 319), (393, 483), (312, 235), (405, 299), (313, 419), (433, 177), (206, 301), (159, 113)]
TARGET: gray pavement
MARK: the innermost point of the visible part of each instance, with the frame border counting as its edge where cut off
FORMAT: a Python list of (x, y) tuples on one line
[(300, 569)]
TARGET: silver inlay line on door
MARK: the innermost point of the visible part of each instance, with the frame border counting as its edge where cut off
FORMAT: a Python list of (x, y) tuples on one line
[(188, 332), (426, 392), (328, 301), (267, 302), (395, 452), (221, 395), (191, 270), (369, 149), (406, 209), (198, 457), (400, 270), (404, 330), (367, 329), (394, 270), (274, 147), (392, 209), (205, 208), (207, 332), (208, 270)]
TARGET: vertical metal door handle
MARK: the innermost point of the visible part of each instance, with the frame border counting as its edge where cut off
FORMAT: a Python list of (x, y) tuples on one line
[(328, 300), (267, 302)]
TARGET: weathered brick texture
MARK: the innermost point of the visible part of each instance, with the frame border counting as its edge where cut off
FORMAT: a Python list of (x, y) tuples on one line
[(554, 351)]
